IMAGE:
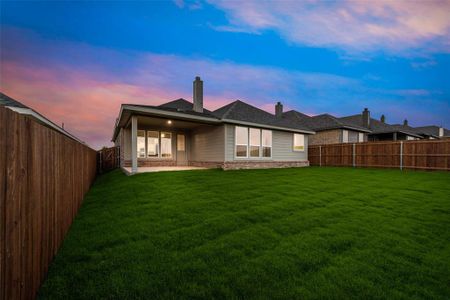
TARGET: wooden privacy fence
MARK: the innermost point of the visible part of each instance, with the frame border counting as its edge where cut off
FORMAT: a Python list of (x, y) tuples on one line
[(424, 154), (43, 178), (108, 159)]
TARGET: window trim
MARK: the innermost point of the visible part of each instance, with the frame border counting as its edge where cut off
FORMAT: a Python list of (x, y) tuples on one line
[(137, 143), (271, 144), (146, 144), (293, 142), (251, 145), (171, 145), (248, 145), (236, 144)]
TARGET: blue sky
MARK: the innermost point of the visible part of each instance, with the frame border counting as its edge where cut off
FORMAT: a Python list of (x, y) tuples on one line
[(76, 62)]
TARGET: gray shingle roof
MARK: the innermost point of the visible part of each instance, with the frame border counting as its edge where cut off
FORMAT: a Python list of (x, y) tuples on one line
[(321, 122), (8, 101), (241, 111), (179, 105), (378, 127), (432, 130)]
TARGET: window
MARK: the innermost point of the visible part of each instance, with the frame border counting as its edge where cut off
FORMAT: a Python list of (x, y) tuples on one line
[(241, 141), (266, 137), (152, 143), (181, 142), (360, 137), (299, 142), (166, 144), (141, 143), (345, 136), (255, 142)]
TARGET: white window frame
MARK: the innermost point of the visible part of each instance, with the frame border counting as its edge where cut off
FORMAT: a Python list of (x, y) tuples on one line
[(171, 145), (248, 145), (137, 143), (251, 145), (262, 144), (236, 142), (159, 145), (344, 136), (294, 145), (360, 137)]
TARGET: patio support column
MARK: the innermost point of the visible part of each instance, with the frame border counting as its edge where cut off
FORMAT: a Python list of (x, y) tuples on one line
[(394, 136), (134, 166)]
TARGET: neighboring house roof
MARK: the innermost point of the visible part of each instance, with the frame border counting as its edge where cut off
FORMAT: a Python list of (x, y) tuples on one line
[(10, 102), (242, 112), (20, 108), (378, 127), (432, 130), (321, 122)]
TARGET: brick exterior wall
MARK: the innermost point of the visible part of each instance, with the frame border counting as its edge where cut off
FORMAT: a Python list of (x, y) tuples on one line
[(152, 163), (234, 165), (230, 165), (325, 137), (206, 164)]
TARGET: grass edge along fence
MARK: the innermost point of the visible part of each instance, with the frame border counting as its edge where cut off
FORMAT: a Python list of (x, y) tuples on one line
[(44, 176), (419, 155)]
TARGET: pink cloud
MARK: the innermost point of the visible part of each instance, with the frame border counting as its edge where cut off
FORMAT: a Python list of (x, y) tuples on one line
[(352, 25), (66, 82)]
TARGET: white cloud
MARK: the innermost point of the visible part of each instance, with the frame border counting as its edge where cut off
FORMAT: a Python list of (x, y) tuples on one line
[(355, 26)]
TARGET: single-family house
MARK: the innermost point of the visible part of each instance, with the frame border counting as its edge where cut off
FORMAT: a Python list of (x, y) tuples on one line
[(432, 132), (329, 129), (183, 133), (380, 130)]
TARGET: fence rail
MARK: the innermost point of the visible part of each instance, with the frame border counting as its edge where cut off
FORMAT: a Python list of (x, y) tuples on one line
[(421, 155), (43, 178)]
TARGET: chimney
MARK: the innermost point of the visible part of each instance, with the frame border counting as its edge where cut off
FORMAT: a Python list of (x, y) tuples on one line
[(279, 110), (198, 94), (405, 122), (441, 131), (366, 118), (383, 119)]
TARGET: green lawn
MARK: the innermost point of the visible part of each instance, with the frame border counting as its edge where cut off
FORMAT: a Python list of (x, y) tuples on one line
[(308, 233)]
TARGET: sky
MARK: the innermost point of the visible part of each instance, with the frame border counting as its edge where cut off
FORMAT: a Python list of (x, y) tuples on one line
[(77, 62)]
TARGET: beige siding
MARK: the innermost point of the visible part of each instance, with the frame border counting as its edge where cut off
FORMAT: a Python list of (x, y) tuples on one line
[(282, 146), (207, 144)]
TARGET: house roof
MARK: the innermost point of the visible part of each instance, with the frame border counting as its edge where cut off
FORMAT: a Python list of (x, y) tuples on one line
[(237, 112), (179, 105), (10, 102), (244, 112), (321, 122), (378, 127), (431, 130), (20, 108)]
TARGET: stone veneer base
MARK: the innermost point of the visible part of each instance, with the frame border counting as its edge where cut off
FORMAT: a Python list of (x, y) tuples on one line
[(228, 165)]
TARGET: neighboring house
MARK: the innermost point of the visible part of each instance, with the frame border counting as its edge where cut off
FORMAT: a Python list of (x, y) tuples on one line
[(432, 132), (329, 129), (180, 133), (22, 109), (380, 130)]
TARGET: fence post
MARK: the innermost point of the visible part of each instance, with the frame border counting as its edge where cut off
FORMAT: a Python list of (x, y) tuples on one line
[(401, 156), (354, 155), (320, 156)]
